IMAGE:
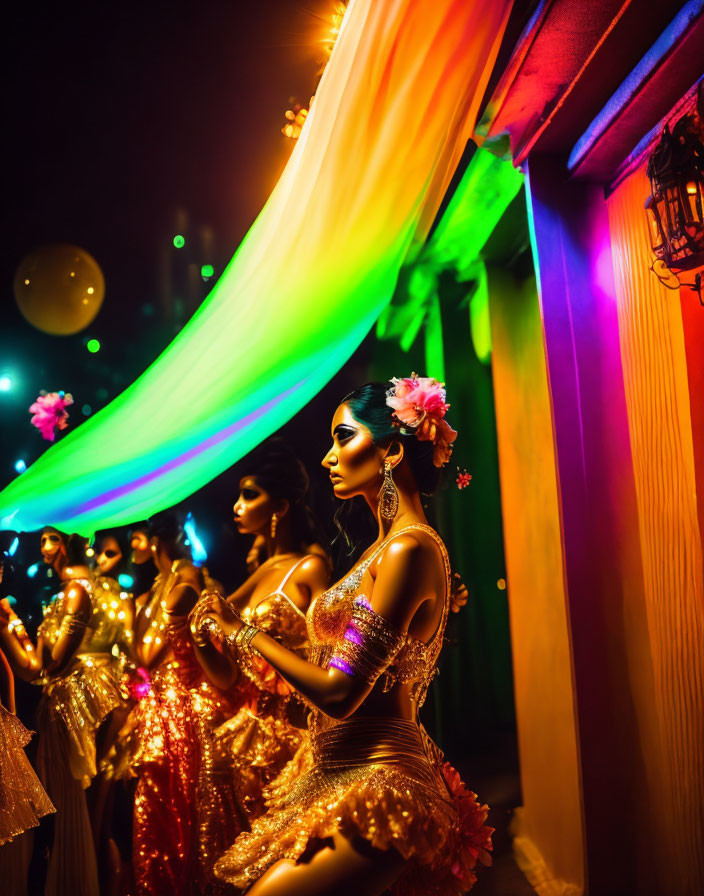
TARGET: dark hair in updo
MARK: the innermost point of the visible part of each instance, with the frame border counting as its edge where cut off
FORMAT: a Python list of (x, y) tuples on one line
[(368, 404), (279, 471), (54, 531), (76, 546), (168, 528)]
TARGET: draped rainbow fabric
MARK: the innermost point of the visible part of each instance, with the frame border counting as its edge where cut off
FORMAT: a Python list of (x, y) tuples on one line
[(394, 109)]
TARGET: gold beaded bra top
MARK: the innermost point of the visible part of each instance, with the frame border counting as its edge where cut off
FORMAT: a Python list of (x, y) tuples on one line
[(278, 616), (415, 663)]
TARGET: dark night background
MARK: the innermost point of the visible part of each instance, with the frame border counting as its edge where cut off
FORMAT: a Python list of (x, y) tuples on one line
[(125, 124), (131, 123)]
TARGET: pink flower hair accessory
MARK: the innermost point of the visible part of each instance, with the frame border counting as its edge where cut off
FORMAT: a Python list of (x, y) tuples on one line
[(419, 406), (49, 413)]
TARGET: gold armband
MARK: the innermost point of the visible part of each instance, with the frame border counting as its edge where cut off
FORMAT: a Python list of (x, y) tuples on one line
[(369, 645)]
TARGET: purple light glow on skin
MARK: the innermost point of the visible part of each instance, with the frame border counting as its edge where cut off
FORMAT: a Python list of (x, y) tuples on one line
[(337, 663), (353, 634)]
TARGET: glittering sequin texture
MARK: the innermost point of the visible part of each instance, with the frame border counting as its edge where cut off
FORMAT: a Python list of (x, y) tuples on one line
[(185, 807), (23, 800), (263, 737)]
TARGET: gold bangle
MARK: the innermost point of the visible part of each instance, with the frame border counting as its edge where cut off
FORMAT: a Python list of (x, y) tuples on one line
[(241, 640), (245, 636)]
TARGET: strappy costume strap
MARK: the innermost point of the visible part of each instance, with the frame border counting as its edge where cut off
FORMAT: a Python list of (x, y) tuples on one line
[(280, 590), (446, 562)]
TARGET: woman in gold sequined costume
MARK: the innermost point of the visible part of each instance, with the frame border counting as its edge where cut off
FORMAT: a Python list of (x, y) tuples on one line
[(79, 692), (185, 809), (269, 729), (23, 800), (379, 809)]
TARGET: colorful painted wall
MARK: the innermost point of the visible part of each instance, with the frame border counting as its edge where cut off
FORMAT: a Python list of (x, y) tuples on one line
[(600, 446)]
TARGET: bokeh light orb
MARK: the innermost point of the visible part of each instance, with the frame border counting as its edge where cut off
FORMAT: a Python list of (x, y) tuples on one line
[(59, 289)]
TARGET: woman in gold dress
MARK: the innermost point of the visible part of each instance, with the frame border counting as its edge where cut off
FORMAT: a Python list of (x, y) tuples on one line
[(79, 692), (379, 809), (291, 569), (23, 800)]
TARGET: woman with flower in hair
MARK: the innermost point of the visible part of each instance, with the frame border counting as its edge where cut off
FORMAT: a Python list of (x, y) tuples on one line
[(379, 809)]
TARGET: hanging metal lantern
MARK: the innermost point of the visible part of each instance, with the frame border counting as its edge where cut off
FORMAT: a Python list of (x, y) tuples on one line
[(675, 207)]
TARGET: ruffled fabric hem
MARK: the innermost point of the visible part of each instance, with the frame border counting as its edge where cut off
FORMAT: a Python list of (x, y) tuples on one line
[(23, 800), (74, 706), (387, 808), (260, 746)]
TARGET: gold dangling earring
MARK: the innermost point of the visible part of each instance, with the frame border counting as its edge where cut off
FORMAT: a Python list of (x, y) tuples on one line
[(388, 495), (274, 521)]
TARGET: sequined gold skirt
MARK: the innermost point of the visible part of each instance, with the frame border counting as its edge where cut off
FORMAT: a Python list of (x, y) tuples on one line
[(72, 708), (259, 744), (23, 800), (383, 780)]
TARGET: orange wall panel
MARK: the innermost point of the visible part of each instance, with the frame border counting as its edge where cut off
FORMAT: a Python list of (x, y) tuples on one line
[(549, 838)]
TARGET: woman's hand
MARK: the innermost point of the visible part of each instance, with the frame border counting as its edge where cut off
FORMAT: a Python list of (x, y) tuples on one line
[(458, 593), (212, 618)]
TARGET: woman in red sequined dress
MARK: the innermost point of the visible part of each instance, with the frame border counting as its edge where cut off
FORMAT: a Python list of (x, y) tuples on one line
[(185, 811), (379, 809)]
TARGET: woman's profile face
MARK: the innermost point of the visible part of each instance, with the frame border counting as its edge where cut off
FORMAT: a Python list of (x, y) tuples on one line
[(139, 542), (354, 461), (109, 556), (254, 508), (51, 545)]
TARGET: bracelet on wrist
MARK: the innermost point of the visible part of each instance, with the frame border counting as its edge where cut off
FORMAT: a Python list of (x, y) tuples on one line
[(241, 640)]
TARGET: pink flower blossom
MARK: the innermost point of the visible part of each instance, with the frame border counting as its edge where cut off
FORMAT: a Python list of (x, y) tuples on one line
[(419, 403), (415, 398), (49, 413)]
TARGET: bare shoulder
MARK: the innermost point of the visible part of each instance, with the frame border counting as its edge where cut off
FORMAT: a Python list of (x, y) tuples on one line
[(409, 547), (182, 598), (314, 566), (414, 558), (77, 598), (190, 575)]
